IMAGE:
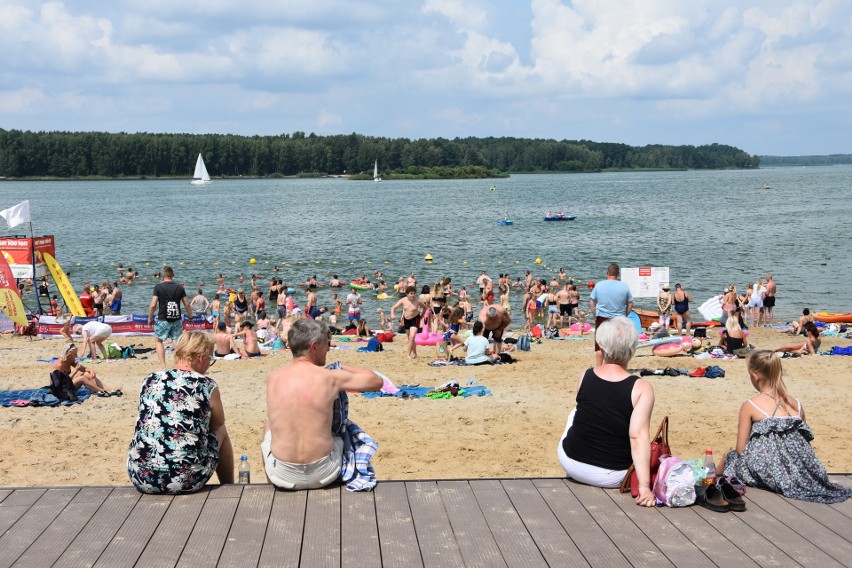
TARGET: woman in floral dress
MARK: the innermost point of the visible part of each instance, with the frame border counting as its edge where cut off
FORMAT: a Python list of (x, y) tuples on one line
[(180, 437)]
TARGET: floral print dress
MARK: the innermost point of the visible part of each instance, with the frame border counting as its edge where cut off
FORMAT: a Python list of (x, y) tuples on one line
[(173, 450), (778, 456)]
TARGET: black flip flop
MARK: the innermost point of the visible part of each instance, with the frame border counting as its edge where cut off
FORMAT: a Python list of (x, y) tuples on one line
[(731, 495), (711, 498)]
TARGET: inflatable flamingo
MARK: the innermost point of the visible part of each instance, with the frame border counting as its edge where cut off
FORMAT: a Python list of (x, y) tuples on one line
[(425, 337)]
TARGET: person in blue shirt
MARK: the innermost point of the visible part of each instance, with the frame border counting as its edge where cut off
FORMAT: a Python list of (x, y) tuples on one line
[(609, 299)]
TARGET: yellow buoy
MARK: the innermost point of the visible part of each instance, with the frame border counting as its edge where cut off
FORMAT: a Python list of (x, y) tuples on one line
[(428, 258), (538, 261), (252, 261)]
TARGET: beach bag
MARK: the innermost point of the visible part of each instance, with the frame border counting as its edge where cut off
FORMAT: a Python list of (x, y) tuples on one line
[(278, 344), (385, 337), (523, 343), (61, 386), (675, 483), (128, 352), (659, 447), (536, 331), (113, 351)]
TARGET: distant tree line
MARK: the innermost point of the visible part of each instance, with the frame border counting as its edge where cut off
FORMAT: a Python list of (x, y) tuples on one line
[(111, 155), (828, 160)]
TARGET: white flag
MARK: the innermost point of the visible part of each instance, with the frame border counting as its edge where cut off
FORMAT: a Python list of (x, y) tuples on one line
[(18, 214)]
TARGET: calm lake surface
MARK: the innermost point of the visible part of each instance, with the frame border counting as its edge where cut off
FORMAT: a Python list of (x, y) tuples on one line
[(710, 227)]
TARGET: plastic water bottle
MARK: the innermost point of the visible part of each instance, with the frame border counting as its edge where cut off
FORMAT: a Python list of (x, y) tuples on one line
[(245, 471), (709, 469)]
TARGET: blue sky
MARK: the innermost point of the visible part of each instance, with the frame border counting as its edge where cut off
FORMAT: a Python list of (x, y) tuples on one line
[(771, 77)]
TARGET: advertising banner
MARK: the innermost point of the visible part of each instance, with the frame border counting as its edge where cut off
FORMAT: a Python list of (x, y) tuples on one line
[(131, 324), (18, 252)]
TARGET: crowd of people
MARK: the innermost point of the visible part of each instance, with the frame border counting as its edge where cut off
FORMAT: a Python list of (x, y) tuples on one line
[(181, 439)]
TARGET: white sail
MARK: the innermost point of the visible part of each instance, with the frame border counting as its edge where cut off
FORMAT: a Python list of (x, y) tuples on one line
[(376, 171), (200, 177)]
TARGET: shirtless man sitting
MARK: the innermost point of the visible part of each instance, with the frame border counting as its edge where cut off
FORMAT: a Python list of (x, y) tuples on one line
[(299, 450), (223, 341), (410, 318), (495, 320)]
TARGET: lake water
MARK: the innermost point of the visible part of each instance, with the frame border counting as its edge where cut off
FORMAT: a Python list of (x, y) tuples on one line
[(710, 227)]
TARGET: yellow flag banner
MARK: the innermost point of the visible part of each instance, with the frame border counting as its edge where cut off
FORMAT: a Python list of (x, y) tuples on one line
[(10, 303), (64, 286)]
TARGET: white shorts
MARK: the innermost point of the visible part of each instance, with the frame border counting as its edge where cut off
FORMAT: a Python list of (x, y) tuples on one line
[(583, 472), (296, 476)]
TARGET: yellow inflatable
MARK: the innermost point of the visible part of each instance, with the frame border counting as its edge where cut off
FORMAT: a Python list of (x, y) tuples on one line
[(64, 286)]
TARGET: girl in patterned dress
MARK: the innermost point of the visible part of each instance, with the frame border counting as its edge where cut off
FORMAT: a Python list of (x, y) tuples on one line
[(774, 442)]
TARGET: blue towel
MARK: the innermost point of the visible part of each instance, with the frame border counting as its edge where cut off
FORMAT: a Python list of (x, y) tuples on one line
[(41, 397), (838, 350)]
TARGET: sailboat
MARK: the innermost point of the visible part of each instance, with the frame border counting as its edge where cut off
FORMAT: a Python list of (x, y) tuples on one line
[(376, 171), (200, 177)]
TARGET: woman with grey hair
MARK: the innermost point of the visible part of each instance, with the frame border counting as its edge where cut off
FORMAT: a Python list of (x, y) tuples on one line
[(608, 430)]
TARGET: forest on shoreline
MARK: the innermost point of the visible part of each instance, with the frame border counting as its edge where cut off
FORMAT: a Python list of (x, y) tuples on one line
[(70, 155)]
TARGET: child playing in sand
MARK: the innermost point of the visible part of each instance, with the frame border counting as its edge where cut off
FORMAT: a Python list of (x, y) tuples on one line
[(773, 440)]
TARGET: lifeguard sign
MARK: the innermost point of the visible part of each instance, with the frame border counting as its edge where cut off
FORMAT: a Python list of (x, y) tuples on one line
[(19, 252), (646, 281)]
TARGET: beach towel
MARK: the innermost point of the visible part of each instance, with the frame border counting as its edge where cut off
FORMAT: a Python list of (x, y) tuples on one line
[(39, 397), (838, 350), (358, 448), (412, 392)]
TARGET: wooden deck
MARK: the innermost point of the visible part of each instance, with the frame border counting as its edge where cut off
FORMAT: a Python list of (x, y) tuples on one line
[(507, 522)]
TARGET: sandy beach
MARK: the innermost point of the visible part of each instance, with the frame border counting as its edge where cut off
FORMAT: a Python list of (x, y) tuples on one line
[(512, 434)]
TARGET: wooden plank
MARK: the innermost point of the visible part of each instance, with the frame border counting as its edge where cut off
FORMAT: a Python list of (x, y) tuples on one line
[(4, 493), (832, 519), (397, 537), (591, 540), (632, 542), (31, 524), (176, 526), (438, 545), (846, 506), (321, 537), (478, 547), (549, 535), (283, 543), (85, 549), (828, 542), (245, 540), (65, 527), (132, 538), (359, 530), (15, 506), (786, 538), (742, 539), (515, 543), (211, 529), (231, 491), (666, 531), (704, 540)]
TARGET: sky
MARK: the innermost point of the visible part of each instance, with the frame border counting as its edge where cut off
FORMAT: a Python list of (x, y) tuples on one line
[(768, 76)]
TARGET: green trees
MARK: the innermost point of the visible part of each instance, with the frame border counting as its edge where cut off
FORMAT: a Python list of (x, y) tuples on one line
[(102, 154)]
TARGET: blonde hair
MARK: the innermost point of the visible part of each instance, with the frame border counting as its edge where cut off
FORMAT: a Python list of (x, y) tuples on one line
[(766, 366), (733, 322), (193, 344)]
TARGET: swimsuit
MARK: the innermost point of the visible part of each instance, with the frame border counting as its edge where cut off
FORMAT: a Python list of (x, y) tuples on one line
[(408, 323), (451, 330), (681, 306)]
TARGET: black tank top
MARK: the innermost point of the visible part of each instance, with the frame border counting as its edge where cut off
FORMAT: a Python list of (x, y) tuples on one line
[(600, 433)]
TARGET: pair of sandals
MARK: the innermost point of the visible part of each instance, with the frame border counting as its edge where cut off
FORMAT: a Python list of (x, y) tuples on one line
[(106, 394), (722, 496)]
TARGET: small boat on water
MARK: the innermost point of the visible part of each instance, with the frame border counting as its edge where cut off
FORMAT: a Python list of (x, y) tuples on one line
[(506, 222), (559, 217), (376, 171), (200, 177)]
